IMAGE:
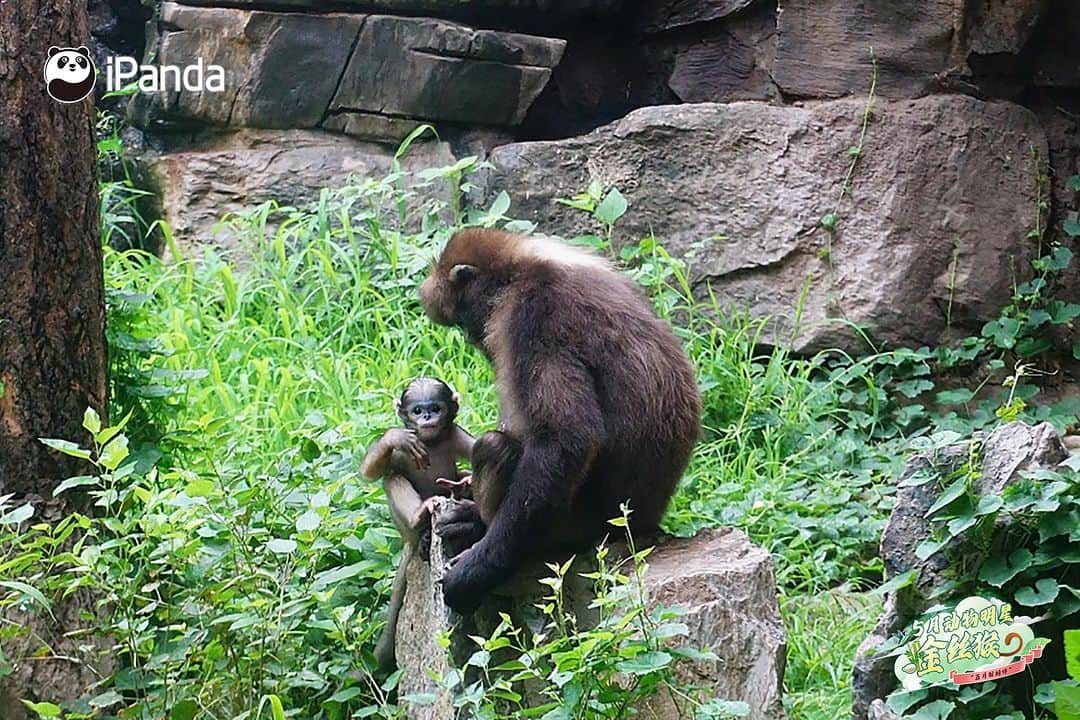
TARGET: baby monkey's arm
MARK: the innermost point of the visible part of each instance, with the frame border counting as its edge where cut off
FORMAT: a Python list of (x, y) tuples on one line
[(378, 459)]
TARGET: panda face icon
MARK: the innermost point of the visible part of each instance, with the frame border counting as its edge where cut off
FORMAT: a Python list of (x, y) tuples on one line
[(70, 74)]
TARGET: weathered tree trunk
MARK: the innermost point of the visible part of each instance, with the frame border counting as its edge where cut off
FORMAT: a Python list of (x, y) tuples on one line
[(52, 307)]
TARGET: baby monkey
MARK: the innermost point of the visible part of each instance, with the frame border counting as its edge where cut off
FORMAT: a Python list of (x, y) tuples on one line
[(411, 460)]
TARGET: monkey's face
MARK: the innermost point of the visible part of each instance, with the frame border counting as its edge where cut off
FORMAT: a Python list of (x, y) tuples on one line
[(428, 417), (445, 294)]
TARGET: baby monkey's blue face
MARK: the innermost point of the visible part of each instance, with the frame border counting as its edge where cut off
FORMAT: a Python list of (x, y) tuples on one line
[(427, 407)]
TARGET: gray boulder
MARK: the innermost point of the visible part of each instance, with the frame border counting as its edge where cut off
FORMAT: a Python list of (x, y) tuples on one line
[(663, 15), (374, 76), (824, 46), (724, 583), (503, 10), (745, 185), (1005, 453), (444, 71), (281, 69), (200, 182)]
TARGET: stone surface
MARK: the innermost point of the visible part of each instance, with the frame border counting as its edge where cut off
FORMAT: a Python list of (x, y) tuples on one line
[(445, 71), (281, 69), (1005, 454), (723, 582), (503, 10), (727, 587), (1001, 26), (823, 49), (661, 15), (731, 62), (746, 184), (386, 74), (200, 182)]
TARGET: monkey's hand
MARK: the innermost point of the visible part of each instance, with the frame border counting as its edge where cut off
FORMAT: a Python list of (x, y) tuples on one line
[(460, 527), (466, 582), (407, 442)]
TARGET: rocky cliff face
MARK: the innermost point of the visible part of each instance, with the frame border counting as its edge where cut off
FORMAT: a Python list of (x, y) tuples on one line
[(727, 123)]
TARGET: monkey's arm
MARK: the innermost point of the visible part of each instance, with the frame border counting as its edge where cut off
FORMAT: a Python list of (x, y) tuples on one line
[(463, 443), (555, 456), (377, 460)]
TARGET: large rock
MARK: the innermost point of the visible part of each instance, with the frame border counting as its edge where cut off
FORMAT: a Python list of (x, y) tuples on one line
[(824, 45), (1005, 455), (745, 186), (724, 583), (198, 183), (293, 70), (437, 70), (281, 69), (732, 61), (499, 10), (663, 15)]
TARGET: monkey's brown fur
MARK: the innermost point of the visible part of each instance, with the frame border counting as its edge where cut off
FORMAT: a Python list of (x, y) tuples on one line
[(595, 388)]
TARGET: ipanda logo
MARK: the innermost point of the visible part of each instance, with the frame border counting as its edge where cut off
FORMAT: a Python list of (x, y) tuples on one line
[(70, 75), (976, 641)]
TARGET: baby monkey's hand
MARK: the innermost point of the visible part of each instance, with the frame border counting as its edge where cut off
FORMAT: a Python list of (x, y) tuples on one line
[(407, 442)]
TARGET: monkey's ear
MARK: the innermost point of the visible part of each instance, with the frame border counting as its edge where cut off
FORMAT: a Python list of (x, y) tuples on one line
[(462, 273), (397, 405)]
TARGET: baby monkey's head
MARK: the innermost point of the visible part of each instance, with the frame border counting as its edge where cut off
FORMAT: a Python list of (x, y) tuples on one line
[(427, 406)]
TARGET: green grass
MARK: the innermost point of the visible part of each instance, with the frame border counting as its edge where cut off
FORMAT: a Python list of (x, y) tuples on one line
[(824, 631)]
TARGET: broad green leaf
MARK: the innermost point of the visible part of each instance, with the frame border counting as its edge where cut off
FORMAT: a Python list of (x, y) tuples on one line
[(644, 663), (929, 547), (28, 590), (107, 698), (954, 397), (74, 482), (896, 582), (988, 504), (184, 710), (1066, 701), (1072, 653), (900, 702), (67, 447), (343, 696), (199, 488), (500, 205), (611, 208), (308, 521), (937, 710), (43, 709), (91, 420), (114, 453), (1043, 593), (332, 577), (948, 495), (18, 515), (999, 570), (281, 546)]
